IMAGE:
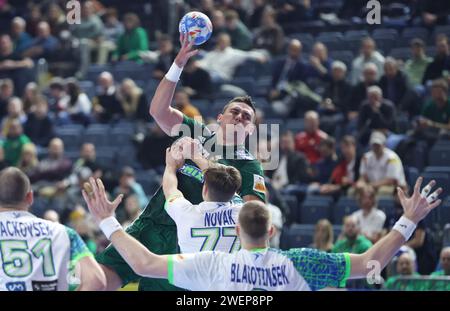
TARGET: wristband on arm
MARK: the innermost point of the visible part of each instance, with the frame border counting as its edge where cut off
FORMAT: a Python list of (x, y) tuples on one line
[(174, 73), (405, 226), (109, 226)]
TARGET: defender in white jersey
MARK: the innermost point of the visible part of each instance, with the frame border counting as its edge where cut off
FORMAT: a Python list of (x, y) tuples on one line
[(36, 254), (211, 225), (256, 266)]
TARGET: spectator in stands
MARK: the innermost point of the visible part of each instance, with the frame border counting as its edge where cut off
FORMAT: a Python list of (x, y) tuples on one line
[(309, 140), (375, 113), (28, 159), (14, 143), (269, 36), (44, 45), (34, 17), (55, 167), (39, 126), (433, 12), (416, 66), (132, 210), (241, 37), (128, 186), (14, 66), (336, 97), (30, 97), (76, 103), (440, 65), (88, 159), (183, 103), (197, 81), (166, 56), (20, 37), (91, 26), (370, 218), (56, 19), (51, 215), (222, 62), (319, 62), (290, 68), (359, 92), (322, 169), (346, 172), (72, 200), (133, 100), (113, 28), (57, 100), (323, 236), (435, 115), (83, 224), (351, 241), (133, 41), (369, 54), (381, 167), (395, 87), (405, 267), (293, 11), (444, 263), (293, 166), (106, 105), (6, 92), (15, 112), (219, 26)]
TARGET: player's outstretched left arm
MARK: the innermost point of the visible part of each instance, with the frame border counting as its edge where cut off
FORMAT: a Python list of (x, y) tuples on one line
[(415, 209), (141, 260), (174, 160)]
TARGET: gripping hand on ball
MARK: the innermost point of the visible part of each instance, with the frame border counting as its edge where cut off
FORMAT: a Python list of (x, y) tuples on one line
[(185, 52)]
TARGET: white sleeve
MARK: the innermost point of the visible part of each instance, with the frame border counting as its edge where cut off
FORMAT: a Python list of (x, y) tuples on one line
[(194, 271), (395, 169), (176, 205), (363, 166)]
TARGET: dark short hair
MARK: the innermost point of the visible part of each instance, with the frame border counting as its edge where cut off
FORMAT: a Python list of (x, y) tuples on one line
[(348, 140), (14, 186), (417, 42), (440, 83), (222, 181), (328, 142), (241, 99), (254, 219)]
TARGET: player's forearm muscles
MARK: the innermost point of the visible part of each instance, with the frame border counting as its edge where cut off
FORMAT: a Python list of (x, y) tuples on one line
[(141, 260), (169, 182), (382, 252), (160, 109)]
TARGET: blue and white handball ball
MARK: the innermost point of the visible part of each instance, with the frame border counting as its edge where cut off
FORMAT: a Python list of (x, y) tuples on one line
[(197, 25)]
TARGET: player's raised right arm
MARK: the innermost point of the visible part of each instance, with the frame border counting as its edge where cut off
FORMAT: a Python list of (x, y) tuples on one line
[(160, 109)]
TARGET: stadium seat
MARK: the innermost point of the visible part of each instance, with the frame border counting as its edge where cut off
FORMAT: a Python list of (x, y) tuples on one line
[(345, 56), (386, 204), (412, 173), (297, 236), (312, 211), (345, 206), (99, 136), (106, 156), (415, 32), (70, 137), (401, 53), (245, 83), (439, 155), (295, 125), (446, 237)]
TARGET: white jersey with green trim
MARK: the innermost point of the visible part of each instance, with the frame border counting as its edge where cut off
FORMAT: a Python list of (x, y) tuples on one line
[(207, 226), (36, 254), (261, 269)]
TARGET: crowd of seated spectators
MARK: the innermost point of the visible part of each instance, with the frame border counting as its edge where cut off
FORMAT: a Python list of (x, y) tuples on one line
[(357, 105)]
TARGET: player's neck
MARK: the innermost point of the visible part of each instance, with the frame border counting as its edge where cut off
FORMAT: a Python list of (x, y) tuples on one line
[(253, 246), (13, 209)]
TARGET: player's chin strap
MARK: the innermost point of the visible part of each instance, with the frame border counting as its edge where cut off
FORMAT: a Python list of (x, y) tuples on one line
[(174, 73), (109, 226)]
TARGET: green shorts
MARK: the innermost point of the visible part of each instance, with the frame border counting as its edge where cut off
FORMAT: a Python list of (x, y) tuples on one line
[(159, 238)]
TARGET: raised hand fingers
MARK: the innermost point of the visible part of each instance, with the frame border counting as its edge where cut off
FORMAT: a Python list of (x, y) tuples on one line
[(427, 189), (401, 195), (435, 204), (101, 188), (417, 186), (432, 197)]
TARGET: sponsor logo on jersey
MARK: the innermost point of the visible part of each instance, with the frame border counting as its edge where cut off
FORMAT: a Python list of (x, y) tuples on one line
[(258, 183), (44, 286), (16, 286), (192, 171)]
